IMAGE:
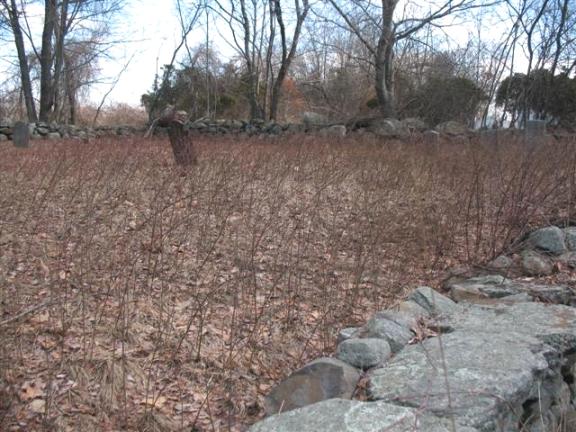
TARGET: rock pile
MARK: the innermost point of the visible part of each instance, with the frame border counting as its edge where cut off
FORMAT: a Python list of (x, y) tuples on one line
[(311, 123), (497, 355), (52, 131), (540, 253)]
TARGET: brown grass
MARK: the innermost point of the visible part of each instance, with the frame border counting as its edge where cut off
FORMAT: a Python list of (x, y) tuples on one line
[(137, 296)]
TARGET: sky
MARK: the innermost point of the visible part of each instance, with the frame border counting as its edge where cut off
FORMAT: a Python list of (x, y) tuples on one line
[(153, 32)]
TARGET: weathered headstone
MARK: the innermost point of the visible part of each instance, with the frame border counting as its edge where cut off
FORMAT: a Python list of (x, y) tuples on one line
[(534, 131), (21, 135)]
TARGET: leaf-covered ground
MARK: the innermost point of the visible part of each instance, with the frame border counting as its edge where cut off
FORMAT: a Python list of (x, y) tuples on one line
[(139, 296)]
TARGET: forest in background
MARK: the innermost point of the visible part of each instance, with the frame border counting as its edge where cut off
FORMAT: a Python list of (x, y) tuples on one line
[(342, 59)]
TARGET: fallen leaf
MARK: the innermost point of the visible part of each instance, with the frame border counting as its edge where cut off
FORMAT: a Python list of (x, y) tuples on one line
[(38, 406), (31, 390), (152, 402)]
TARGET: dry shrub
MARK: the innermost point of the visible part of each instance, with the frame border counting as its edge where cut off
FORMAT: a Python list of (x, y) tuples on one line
[(113, 115), (161, 297)]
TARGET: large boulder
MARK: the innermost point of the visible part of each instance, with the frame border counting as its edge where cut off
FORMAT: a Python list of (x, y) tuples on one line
[(550, 239), (534, 264), (452, 128), (499, 368), (325, 378), (338, 415)]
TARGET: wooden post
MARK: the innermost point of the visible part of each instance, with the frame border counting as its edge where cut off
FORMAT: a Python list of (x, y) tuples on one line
[(180, 140)]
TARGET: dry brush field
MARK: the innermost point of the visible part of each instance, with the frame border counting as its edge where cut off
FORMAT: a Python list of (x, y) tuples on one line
[(137, 296)]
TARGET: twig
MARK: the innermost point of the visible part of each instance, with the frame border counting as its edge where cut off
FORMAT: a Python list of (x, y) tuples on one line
[(26, 312)]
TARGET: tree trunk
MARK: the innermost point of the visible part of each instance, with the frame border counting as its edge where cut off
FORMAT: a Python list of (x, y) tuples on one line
[(287, 55), (22, 62), (384, 61), (47, 61), (60, 33), (255, 108)]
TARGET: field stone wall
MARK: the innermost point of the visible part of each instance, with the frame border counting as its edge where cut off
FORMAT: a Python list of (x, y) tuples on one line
[(386, 128), (502, 360)]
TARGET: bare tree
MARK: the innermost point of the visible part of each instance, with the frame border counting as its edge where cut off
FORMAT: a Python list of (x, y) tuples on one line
[(63, 21), (375, 25), (287, 52), (10, 9), (255, 26)]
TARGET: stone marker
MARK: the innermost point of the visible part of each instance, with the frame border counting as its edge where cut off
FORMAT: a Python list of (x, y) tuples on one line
[(534, 131), (21, 135)]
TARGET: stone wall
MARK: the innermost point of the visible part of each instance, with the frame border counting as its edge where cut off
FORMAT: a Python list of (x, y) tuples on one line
[(53, 131), (387, 128), (494, 354)]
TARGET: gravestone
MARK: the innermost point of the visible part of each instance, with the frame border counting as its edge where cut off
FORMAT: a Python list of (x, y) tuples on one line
[(21, 135), (534, 131)]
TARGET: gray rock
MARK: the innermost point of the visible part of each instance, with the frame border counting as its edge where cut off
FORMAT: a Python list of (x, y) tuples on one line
[(495, 361), (338, 415), (42, 130), (535, 264), (21, 135), (295, 128), (312, 119), (53, 136), (569, 259), (501, 262), (482, 291), (463, 381), (197, 125), (273, 129), (388, 128), (550, 239), (433, 301), (412, 312), (346, 333), (570, 233), (364, 353), (403, 318), (325, 378), (413, 124), (338, 131), (515, 298), (395, 334), (6, 130), (3, 138), (453, 128)]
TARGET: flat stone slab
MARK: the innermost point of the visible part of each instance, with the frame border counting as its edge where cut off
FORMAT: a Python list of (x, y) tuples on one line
[(433, 301), (484, 372), (484, 290), (322, 379), (338, 415)]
